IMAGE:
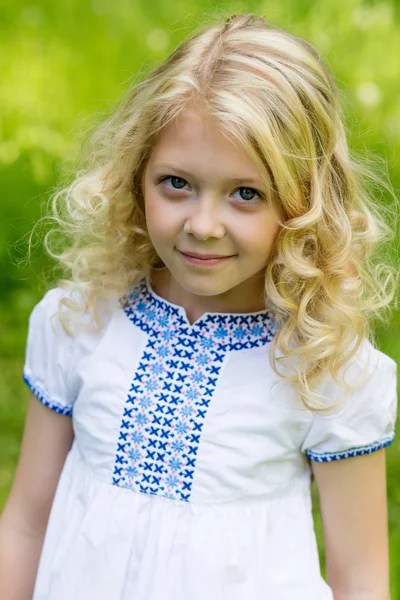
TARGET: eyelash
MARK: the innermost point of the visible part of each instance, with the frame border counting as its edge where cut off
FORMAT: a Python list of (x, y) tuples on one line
[(260, 196)]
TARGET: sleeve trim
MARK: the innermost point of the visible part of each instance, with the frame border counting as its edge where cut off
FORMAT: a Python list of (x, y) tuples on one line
[(42, 395), (359, 451)]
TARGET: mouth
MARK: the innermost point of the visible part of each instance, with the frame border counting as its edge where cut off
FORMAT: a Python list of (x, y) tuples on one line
[(205, 256), (206, 262)]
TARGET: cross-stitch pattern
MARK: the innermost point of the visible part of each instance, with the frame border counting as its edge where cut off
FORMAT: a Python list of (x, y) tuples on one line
[(172, 389)]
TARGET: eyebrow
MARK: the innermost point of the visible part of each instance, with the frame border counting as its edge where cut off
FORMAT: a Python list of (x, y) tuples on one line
[(187, 174)]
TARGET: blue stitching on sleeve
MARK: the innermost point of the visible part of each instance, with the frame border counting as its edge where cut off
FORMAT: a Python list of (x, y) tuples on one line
[(359, 451), (42, 395)]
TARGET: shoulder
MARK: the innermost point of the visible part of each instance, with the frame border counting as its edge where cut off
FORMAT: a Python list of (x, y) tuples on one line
[(366, 372), (370, 358), (53, 351), (365, 420), (68, 311), (372, 375)]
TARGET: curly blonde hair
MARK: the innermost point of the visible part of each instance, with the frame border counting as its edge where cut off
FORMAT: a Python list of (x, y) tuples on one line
[(271, 91)]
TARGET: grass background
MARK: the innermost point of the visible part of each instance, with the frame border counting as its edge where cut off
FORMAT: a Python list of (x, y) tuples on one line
[(64, 66)]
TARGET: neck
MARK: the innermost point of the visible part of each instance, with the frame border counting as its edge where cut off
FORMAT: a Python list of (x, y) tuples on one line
[(246, 298)]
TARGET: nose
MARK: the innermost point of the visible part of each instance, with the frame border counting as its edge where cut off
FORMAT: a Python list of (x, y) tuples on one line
[(204, 219)]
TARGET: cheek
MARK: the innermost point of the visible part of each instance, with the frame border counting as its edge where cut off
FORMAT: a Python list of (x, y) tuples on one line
[(150, 207), (159, 219), (152, 210), (258, 236)]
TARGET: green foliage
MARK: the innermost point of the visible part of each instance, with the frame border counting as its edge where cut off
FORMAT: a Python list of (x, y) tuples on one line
[(66, 64)]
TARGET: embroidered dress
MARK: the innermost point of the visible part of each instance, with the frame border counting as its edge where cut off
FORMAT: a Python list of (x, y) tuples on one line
[(189, 473)]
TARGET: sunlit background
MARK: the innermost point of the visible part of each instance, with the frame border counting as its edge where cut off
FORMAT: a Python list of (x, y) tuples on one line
[(64, 65)]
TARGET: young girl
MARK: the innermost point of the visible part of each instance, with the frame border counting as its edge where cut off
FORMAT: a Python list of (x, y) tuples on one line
[(210, 350)]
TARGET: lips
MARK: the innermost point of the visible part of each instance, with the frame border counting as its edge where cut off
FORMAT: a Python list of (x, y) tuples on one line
[(205, 257)]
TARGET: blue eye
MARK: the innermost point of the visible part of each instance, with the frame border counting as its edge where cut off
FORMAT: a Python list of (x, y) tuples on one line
[(252, 191), (174, 179)]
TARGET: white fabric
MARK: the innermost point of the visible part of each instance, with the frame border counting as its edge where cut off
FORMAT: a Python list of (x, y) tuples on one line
[(188, 477)]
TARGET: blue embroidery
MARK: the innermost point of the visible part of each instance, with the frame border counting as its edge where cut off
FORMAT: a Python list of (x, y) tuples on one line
[(359, 451), (172, 389), (42, 395)]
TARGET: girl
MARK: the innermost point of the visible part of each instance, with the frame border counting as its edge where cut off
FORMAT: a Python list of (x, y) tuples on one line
[(209, 351)]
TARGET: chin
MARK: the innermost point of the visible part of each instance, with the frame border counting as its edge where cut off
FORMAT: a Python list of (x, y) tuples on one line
[(206, 286)]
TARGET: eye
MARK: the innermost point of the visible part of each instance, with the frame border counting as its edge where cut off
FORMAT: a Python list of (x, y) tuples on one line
[(251, 191), (178, 183), (173, 178)]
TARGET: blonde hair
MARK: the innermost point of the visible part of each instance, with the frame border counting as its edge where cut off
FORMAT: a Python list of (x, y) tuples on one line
[(271, 91)]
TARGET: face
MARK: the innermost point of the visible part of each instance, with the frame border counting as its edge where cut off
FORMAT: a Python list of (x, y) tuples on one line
[(203, 196)]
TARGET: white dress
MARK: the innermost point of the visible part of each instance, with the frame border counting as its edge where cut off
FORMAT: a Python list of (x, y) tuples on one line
[(189, 474)]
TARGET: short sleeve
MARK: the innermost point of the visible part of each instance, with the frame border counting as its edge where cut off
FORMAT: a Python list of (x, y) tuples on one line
[(48, 355), (365, 422)]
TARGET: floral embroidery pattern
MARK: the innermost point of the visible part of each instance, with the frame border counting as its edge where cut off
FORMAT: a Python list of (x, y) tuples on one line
[(172, 389)]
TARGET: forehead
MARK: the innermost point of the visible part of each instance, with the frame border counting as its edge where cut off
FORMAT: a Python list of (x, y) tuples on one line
[(198, 144)]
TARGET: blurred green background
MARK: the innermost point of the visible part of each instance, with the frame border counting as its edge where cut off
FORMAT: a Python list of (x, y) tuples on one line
[(64, 65)]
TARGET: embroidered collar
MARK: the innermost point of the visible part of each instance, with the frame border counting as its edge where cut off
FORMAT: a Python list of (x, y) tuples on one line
[(230, 328)]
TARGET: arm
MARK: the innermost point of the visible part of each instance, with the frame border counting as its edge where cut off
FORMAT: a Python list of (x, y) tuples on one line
[(47, 438), (353, 505)]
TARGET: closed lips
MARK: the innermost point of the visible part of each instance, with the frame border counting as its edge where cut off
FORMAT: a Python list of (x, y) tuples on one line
[(205, 257)]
